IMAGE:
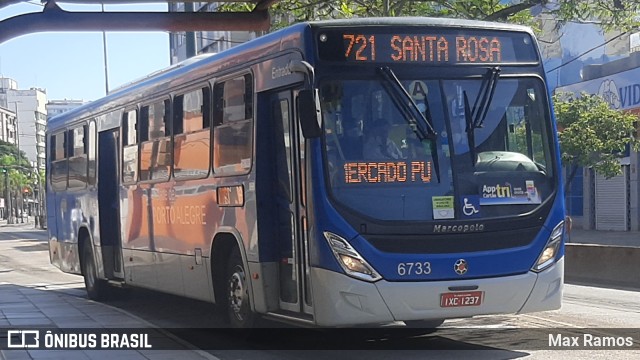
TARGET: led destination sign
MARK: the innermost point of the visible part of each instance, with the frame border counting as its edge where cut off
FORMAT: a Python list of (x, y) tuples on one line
[(433, 46), (387, 172)]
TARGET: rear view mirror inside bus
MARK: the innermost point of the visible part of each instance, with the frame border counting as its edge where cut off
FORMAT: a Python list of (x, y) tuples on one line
[(308, 115)]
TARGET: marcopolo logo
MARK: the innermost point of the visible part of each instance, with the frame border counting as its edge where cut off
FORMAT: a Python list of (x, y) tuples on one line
[(458, 228)]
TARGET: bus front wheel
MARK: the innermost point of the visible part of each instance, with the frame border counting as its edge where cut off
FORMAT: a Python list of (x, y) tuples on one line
[(238, 303), (96, 288)]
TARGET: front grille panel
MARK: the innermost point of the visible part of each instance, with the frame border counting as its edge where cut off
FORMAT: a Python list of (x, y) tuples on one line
[(453, 243)]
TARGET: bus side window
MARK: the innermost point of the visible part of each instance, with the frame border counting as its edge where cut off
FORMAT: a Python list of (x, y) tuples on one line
[(191, 130), (233, 120), (130, 147), (78, 158), (58, 155), (155, 152)]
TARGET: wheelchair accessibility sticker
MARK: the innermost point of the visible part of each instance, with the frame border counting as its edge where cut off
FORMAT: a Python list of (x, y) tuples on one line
[(470, 205)]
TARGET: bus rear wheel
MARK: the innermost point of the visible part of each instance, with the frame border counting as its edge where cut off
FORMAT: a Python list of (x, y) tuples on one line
[(238, 303), (96, 288)]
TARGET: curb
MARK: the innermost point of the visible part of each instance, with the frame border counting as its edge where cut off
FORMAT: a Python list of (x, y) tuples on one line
[(603, 265)]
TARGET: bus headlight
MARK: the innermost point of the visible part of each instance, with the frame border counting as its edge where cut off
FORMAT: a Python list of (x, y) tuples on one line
[(548, 255), (351, 262)]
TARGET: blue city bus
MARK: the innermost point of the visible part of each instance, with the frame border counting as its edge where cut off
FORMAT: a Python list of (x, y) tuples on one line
[(333, 173)]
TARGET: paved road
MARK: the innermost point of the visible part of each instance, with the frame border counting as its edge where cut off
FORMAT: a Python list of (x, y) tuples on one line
[(24, 263)]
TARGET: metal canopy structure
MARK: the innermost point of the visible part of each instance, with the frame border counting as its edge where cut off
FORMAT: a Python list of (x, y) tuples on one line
[(54, 18)]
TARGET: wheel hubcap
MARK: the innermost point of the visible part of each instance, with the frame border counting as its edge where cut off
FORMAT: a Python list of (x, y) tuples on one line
[(236, 292)]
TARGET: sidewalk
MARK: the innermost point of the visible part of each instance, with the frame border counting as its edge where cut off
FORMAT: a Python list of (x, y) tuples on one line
[(27, 223), (24, 308)]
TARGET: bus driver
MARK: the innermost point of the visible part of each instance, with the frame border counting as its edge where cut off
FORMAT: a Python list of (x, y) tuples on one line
[(378, 145)]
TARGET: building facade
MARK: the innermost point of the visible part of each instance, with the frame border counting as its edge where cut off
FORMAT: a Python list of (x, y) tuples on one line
[(183, 45), (581, 57), (611, 204), (57, 107), (7, 125), (6, 84), (30, 107)]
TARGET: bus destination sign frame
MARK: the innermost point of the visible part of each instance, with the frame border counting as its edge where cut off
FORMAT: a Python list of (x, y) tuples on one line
[(432, 46)]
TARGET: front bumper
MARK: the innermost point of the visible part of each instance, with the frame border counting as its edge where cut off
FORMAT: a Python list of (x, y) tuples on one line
[(343, 301)]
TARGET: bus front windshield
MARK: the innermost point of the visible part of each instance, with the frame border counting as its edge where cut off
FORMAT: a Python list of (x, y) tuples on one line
[(489, 153)]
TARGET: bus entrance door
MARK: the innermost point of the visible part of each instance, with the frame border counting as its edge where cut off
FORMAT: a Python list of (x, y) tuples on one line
[(108, 204), (295, 294)]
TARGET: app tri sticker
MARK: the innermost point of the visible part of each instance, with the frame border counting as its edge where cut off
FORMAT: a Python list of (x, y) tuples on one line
[(509, 194)]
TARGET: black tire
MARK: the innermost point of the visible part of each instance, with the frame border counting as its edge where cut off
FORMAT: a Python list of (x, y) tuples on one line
[(424, 324), (238, 304), (97, 289)]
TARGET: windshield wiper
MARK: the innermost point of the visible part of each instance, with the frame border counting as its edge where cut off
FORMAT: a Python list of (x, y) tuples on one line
[(475, 117), (423, 129)]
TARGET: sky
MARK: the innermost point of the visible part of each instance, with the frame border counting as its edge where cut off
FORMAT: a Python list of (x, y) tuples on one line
[(70, 65)]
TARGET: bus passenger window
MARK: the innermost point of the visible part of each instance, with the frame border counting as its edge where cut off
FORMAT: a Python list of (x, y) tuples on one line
[(58, 154), (191, 146), (130, 147), (78, 159), (233, 134), (91, 152), (155, 154)]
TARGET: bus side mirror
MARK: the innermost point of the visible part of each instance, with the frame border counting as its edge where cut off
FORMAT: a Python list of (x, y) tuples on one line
[(308, 113)]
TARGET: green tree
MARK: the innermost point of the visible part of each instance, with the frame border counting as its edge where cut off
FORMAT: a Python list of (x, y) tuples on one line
[(11, 150), (18, 174), (7, 162), (610, 14), (592, 134)]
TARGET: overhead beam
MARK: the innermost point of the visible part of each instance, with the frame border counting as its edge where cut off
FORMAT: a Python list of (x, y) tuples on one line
[(52, 18), (120, 2), (4, 3), (109, 2)]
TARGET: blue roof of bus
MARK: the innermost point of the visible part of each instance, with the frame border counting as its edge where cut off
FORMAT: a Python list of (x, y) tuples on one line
[(98, 106)]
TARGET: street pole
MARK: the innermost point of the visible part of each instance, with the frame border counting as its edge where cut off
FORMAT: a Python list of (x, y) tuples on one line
[(7, 196), (16, 207), (190, 36), (35, 195), (40, 200), (10, 200), (104, 54), (19, 158)]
